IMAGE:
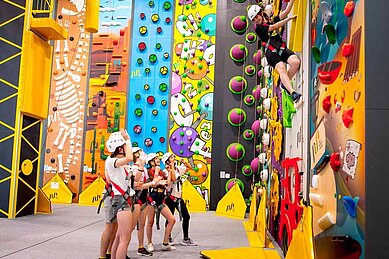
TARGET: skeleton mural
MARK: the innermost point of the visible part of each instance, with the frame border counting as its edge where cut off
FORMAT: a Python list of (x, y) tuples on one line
[(66, 116)]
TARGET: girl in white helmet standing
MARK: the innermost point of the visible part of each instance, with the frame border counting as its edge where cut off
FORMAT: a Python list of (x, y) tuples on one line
[(174, 199), (157, 201), (119, 174), (141, 194), (276, 51)]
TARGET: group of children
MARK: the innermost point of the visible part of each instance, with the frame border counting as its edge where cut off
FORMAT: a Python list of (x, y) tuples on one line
[(137, 193)]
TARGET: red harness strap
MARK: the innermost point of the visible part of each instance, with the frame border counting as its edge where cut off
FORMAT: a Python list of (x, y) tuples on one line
[(279, 51), (125, 194)]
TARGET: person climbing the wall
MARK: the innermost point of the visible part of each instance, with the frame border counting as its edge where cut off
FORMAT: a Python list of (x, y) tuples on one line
[(157, 203), (121, 178), (174, 199), (141, 207), (276, 51)]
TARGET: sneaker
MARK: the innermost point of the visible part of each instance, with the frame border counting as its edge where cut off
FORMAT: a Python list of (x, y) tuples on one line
[(188, 242), (150, 247), (171, 241), (142, 251), (168, 247), (295, 97)]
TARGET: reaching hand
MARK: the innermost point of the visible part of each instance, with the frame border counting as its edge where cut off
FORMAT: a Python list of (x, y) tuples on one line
[(293, 17), (138, 184), (163, 182), (125, 134)]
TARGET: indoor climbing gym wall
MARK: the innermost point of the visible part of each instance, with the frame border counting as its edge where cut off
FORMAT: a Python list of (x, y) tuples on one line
[(191, 101), (107, 92), (148, 99), (262, 132), (337, 88), (68, 95), (237, 143), (23, 100)]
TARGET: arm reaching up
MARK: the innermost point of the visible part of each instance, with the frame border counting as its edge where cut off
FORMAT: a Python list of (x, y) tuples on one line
[(285, 12), (281, 23)]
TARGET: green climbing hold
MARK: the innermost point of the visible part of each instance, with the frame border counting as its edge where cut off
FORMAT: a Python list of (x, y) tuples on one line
[(288, 109), (153, 58), (167, 5), (330, 31), (316, 54)]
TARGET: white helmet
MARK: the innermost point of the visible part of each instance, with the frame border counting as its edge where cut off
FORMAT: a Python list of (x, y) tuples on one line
[(253, 11), (115, 140), (165, 157), (150, 157), (136, 149)]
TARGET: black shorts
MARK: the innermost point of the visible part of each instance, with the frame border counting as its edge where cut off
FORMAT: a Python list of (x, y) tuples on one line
[(158, 197), (273, 58)]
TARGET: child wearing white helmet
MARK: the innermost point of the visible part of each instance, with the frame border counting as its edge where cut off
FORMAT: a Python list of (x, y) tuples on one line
[(157, 197), (118, 173), (174, 200), (276, 51), (142, 184)]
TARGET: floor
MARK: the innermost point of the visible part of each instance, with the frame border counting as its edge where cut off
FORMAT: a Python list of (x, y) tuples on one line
[(74, 231)]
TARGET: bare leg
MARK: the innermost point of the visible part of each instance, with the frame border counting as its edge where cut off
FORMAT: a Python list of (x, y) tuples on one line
[(115, 245), (135, 215), (141, 231), (109, 249), (294, 63), (124, 232), (171, 221), (280, 67), (106, 238), (150, 223)]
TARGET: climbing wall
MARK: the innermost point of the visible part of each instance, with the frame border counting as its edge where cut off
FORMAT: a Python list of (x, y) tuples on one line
[(65, 124), (191, 101), (264, 140), (337, 146), (238, 65), (290, 171), (108, 84), (148, 106), (23, 103)]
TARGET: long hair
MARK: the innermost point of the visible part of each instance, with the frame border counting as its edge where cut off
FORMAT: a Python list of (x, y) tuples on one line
[(119, 150)]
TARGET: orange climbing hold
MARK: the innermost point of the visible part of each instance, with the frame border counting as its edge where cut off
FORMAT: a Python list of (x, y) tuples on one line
[(347, 116)]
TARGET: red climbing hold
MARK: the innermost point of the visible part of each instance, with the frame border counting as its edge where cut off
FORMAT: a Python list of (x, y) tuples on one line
[(150, 99), (121, 32), (349, 8), (347, 49), (327, 103), (142, 46), (347, 116), (335, 161)]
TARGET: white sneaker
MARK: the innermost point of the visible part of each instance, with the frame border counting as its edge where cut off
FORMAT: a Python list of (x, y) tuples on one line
[(150, 247), (188, 242), (168, 247)]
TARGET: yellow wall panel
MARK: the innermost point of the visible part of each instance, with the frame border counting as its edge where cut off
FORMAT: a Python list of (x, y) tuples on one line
[(36, 81)]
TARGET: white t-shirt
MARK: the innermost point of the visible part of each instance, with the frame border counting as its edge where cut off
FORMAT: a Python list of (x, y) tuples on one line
[(144, 175), (174, 190), (118, 175)]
